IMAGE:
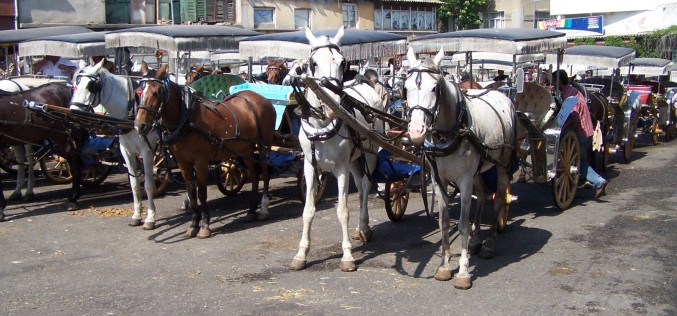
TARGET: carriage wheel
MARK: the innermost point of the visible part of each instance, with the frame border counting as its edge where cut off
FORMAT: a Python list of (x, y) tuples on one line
[(565, 182), (503, 212), (231, 177), (56, 169), (632, 135), (95, 175), (319, 192), (7, 160), (655, 131), (396, 198)]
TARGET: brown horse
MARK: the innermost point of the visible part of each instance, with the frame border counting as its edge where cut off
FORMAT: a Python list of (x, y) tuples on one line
[(465, 84), (20, 126), (241, 126), (276, 71), (196, 73)]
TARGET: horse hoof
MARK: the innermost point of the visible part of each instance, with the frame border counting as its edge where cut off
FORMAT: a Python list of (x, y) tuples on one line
[(204, 233), (462, 283), (250, 217), (192, 232), (70, 206), (486, 253), (442, 274), (474, 247), (262, 216), (148, 225), (14, 197), (348, 266), (135, 222), (29, 197), (362, 236), (297, 265)]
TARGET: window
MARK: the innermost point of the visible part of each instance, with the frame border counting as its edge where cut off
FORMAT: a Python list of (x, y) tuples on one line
[(263, 17), (494, 20), (404, 18), (349, 15), (541, 16), (301, 18)]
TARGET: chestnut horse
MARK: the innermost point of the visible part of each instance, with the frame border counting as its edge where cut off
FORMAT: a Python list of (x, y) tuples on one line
[(465, 84), (276, 71), (19, 126), (196, 73), (241, 126)]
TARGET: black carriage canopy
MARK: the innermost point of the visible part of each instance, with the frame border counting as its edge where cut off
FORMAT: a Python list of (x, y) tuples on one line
[(12, 37), (595, 55), (513, 41), (650, 66), (73, 46), (176, 38), (355, 44)]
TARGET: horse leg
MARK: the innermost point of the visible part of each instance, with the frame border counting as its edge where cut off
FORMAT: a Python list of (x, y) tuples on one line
[(443, 272), (347, 261), (131, 162), (475, 239), (191, 197), (253, 174), (299, 261), (265, 175), (149, 185), (462, 280), (30, 157), (202, 171), (500, 202), (363, 184), (20, 157)]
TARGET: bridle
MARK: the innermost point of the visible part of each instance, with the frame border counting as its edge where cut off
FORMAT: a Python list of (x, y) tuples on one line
[(431, 114), (281, 73), (94, 86), (162, 94), (319, 113)]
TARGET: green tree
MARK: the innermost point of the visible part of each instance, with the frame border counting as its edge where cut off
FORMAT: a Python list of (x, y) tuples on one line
[(464, 13)]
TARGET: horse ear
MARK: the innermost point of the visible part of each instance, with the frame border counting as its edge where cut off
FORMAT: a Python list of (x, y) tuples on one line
[(337, 39), (312, 40), (82, 64), (200, 67), (99, 65), (438, 57), (411, 57), (161, 72)]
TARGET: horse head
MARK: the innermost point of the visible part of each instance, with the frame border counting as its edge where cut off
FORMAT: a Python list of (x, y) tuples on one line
[(424, 86), (155, 93), (87, 86), (276, 71), (196, 73), (297, 68), (326, 62)]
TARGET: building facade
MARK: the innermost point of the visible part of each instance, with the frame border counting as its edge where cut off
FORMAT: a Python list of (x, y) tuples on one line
[(515, 13)]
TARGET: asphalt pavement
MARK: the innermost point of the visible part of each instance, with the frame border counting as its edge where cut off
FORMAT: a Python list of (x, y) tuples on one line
[(612, 256)]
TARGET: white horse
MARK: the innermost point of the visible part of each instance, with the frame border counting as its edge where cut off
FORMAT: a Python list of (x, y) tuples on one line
[(23, 155), (328, 146), (94, 85), (462, 136)]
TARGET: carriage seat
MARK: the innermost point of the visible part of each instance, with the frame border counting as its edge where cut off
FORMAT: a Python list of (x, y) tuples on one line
[(216, 87), (535, 100)]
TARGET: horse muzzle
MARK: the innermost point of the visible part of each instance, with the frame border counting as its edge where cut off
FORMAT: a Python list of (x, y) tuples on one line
[(417, 131), (142, 128)]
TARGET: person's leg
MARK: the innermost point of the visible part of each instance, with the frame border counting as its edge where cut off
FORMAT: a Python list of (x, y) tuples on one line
[(586, 170)]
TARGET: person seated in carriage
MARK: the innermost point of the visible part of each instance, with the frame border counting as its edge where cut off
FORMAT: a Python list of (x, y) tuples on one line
[(581, 122), (501, 76), (378, 86), (55, 66)]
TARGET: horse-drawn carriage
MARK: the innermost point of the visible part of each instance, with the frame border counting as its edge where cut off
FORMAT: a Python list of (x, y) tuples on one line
[(655, 110), (606, 95), (355, 45)]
